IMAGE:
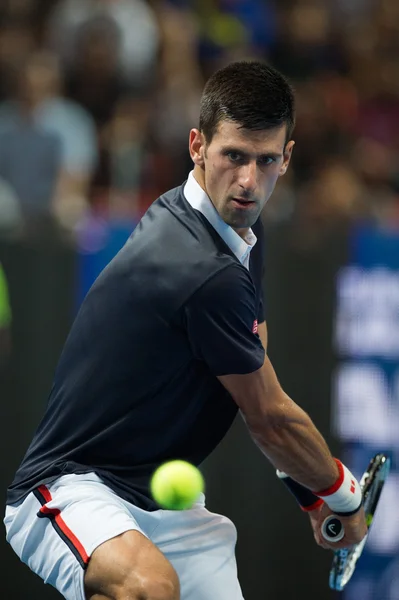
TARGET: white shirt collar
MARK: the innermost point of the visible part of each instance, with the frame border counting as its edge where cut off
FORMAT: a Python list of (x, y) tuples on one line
[(200, 201)]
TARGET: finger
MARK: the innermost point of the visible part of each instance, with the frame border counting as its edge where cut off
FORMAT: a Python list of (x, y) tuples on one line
[(343, 544), (320, 541)]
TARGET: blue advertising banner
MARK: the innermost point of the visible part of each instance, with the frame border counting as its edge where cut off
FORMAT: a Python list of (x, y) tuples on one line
[(366, 394)]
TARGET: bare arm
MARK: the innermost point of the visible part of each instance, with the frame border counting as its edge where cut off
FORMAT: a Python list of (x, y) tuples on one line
[(262, 332), (281, 429)]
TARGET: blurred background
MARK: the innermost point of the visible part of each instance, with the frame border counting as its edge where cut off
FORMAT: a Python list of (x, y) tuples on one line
[(96, 101)]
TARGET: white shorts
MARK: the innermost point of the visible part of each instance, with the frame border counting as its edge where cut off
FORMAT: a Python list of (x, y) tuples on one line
[(55, 529)]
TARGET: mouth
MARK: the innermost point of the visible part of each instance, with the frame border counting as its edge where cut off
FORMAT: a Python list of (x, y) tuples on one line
[(242, 203)]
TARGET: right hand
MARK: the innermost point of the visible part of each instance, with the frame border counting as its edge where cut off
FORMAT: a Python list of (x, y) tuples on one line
[(355, 528)]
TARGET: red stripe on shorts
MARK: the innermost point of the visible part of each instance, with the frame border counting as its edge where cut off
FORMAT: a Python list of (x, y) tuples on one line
[(55, 515)]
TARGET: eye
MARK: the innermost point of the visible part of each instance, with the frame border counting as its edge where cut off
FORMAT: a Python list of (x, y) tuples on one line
[(266, 160), (234, 156)]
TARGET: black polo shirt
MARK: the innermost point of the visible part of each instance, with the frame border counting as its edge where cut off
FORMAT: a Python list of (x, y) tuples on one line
[(136, 382)]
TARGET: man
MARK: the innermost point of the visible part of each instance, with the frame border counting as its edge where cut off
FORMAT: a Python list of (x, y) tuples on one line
[(167, 347)]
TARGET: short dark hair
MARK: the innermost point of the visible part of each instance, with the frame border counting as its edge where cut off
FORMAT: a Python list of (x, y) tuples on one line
[(250, 93)]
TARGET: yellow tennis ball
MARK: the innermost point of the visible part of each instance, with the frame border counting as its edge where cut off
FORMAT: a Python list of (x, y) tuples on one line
[(176, 485)]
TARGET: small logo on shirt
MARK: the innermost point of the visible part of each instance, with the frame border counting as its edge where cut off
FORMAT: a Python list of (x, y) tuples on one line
[(255, 327)]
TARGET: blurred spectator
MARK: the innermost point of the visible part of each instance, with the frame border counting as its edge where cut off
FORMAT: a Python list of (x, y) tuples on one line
[(334, 194), (137, 68), (129, 153), (176, 106), (109, 51), (233, 29), (18, 8), (316, 134), (133, 21), (47, 144), (29, 164), (11, 219), (351, 11), (95, 80), (327, 203), (308, 43), (17, 41)]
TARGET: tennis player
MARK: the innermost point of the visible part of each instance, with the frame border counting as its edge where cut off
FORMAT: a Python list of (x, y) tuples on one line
[(168, 345)]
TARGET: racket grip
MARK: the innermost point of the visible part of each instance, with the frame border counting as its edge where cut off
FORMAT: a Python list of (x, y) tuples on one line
[(332, 529)]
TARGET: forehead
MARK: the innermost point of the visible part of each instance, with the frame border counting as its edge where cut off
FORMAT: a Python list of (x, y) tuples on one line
[(230, 134)]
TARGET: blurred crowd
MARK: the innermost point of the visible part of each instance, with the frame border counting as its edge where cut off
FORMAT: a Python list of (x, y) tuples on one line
[(97, 98)]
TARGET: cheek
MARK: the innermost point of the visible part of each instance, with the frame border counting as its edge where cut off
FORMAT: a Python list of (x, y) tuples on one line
[(271, 177), (211, 178), (218, 177), (212, 182)]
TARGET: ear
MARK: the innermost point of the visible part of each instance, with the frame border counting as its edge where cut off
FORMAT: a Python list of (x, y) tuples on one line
[(197, 147), (287, 157)]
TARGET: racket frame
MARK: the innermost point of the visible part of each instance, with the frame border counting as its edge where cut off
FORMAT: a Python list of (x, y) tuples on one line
[(372, 483)]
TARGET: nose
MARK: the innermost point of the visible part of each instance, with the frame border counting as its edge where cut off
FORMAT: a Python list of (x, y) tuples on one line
[(247, 176)]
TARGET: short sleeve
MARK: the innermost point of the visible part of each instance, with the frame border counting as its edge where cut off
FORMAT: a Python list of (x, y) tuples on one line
[(221, 321)]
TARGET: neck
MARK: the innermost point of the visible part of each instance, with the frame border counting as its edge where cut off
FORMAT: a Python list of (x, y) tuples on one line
[(241, 232), (199, 176)]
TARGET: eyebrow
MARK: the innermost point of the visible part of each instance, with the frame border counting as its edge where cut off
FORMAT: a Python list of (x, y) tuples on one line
[(274, 155)]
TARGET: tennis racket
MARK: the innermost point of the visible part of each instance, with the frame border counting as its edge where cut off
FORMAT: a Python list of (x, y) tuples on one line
[(372, 483)]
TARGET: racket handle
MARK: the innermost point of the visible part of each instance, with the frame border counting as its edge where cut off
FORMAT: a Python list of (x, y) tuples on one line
[(332, 529)]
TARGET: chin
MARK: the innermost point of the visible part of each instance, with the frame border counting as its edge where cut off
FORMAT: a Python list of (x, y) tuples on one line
[(240, 224), (243, 221)]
